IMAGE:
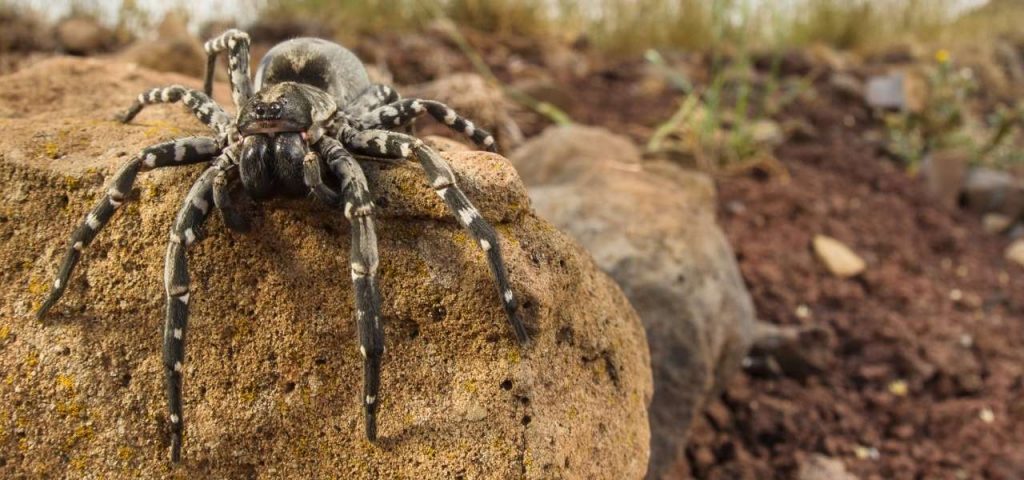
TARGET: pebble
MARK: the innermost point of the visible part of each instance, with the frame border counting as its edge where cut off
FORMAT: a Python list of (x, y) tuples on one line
[(987, 415), (839, 259), (820, 467), (1015, 252), (996, 223)]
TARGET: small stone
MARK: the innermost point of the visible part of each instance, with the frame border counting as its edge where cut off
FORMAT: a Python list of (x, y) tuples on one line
[(899, 91), (987, 190), (987, 415), (847, 85), (996, 223), (820, 467), (839, 259), (865, 453), (899, 388), (1015, 252), (767, 133), (943, 172)]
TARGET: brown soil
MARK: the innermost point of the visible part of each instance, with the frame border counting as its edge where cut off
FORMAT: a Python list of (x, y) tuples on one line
[(936, 311)]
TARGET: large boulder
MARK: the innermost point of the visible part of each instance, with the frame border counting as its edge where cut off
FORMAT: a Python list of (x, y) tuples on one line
[(171, 49), (274, 375), (474, 98), (652, 227)]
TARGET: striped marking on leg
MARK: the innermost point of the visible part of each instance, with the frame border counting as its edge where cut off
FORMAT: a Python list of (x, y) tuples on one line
[(194, 150)]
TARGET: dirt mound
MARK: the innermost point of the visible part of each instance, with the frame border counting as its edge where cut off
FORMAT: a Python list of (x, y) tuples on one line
[(273, 377)]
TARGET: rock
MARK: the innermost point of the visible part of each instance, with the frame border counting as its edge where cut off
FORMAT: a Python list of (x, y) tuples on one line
[(996, 223), (988, 190), (820, 467), (23, 31), (900, 91), (445, 144), (847, 85), (474, 98), (837, 257), (943, 172), (1015, 252), (81, 35), (172, 50), (274, 375), (562, 155), (766, 133), (652, 227)]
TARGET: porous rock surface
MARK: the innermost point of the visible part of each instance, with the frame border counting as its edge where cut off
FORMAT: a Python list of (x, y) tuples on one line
[(651, 226), (273, 377)]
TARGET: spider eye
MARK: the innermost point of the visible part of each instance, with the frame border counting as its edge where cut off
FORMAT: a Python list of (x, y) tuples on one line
[(275, 109)]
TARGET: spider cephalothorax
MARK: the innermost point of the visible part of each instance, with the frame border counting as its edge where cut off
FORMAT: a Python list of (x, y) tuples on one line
[(313, 109)]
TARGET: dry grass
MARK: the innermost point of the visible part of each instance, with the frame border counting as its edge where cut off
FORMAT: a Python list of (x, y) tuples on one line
[(632, 26)]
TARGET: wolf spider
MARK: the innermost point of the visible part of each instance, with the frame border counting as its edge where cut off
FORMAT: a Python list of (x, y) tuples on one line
[(312, 109)]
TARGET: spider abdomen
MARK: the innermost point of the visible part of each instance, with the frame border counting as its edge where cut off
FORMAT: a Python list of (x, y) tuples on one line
[(315, 62)]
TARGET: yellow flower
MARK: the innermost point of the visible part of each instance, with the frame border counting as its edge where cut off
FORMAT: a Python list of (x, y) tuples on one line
[(942, 56)]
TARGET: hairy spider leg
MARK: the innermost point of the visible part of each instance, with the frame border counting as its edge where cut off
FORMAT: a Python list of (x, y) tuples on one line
[(184, 233), (383, 143), (228, 177), (201, 105), (402, 112), (183, 151), (358, 207), (237, 42), (372, 97)]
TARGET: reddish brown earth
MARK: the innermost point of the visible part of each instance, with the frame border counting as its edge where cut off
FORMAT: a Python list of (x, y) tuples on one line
[(938, 310)]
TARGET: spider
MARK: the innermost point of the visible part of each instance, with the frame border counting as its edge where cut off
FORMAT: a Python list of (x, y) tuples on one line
[(297, 133)]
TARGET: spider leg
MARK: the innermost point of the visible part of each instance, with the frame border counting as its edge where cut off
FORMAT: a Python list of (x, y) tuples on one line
[(237, 42), (363, 260), (201, 105), (233, 218), (184, 151), (383, 143), (372, 97), (402, 112), (184, 233)]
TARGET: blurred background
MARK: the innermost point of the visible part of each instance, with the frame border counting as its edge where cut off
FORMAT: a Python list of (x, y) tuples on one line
[(867, 176)]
